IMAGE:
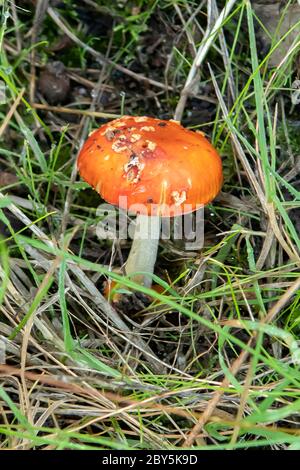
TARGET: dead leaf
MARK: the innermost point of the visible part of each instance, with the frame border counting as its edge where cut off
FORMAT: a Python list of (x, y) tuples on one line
[(277, 20), (7, 179)]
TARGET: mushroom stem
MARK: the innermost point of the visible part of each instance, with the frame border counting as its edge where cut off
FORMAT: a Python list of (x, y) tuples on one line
[(144, 248)]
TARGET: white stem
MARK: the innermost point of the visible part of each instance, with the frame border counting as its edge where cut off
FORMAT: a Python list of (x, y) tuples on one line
[(144, 247)]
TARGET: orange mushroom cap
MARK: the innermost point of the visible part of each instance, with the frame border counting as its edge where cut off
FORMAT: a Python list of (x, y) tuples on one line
[(158, 166), (115, 297)]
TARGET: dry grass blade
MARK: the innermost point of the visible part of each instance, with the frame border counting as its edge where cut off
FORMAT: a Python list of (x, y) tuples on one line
[(209, 357), (103, 60), (209, 37), (79, 112), (240, 152), (107, 309), (213, 403), (11, 112)]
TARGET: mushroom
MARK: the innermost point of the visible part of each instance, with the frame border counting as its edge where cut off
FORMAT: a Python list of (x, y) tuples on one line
[(159, 168)]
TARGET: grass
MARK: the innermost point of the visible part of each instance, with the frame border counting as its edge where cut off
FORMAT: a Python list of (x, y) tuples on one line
[(212, 362)]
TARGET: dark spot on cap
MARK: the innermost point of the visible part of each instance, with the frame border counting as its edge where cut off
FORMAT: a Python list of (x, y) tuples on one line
[(162, 124), (147, 153), (109, 134), (132, 173), (149, 200)]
